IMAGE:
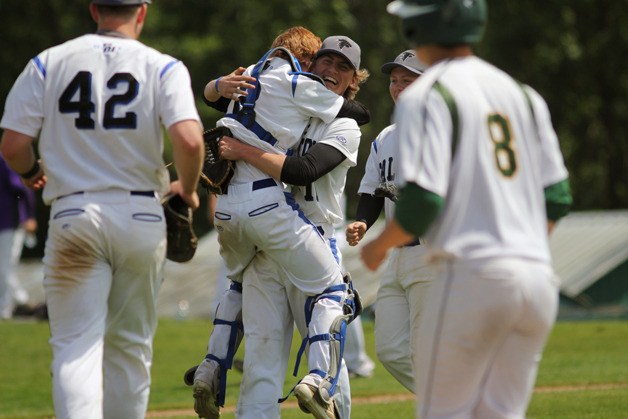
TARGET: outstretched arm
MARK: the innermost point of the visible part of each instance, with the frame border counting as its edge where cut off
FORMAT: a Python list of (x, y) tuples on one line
[(219, 92), (406, 225)]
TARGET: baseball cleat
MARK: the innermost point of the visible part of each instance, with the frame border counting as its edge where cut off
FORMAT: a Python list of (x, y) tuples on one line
[(365, 370), (204, 390), (188, 377), (310, 401)]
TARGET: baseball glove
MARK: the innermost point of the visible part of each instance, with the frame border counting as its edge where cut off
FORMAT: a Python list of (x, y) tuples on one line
[(216, 172), (387, 190), (182, 241)]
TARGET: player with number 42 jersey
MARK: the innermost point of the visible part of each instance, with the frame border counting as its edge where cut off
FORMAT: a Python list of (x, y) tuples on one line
[(93, 82)]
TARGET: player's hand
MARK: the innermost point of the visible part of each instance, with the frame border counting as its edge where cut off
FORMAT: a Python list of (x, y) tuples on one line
[(30, 225), (355, 232), (230, 148), (190, 198), (37, 181), (235, 84), (373, 254)]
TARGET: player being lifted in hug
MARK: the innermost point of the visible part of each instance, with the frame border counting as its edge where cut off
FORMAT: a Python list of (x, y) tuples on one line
[(257, 217)]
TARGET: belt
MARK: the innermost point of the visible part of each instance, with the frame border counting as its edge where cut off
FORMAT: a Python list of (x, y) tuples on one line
[(255, 186), (134, 193), (264, 183)]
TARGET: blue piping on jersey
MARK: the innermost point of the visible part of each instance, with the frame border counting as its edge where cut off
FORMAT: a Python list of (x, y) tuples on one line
[(294, 83), (375, 146), (295, 75), (167, 67), (40, 66), (334, 248), (295, 207)]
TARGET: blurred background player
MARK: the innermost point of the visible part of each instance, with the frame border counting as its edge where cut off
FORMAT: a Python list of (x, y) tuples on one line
[(483, 177), (97, 104), (17, 219), (405, 281)]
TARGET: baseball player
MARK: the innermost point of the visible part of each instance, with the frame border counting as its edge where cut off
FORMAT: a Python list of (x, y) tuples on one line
[(256, 216), (404, 284), (481, 165), (17, 219), (272, 303), (97, 103)]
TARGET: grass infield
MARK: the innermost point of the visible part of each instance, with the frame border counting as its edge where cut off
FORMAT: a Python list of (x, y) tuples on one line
[(583, 374)]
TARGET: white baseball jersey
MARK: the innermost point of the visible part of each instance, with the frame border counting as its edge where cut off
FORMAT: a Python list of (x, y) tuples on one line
[(405, 282), (321, 201), (381, 166), (504, 156), (285, 104), (110, 95)]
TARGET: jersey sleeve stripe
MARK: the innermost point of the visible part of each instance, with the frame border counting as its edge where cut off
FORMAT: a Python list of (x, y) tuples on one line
[(453, 110), (375, 146), (167, 67), (40, 66), (294, 83), (531, 106)]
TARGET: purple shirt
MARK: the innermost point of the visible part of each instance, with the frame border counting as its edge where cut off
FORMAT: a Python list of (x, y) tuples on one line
[(17, 202)]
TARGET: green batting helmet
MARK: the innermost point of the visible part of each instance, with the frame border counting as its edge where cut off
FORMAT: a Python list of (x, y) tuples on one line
[(445, 22)]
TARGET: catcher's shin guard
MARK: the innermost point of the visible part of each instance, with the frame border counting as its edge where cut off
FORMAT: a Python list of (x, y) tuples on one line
[(231, 316), (352, 307)]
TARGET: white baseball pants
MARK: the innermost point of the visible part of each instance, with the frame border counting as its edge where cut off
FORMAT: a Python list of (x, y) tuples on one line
[(481, 337), (11, 242), (271, 305), (400, 300), (104, 262)]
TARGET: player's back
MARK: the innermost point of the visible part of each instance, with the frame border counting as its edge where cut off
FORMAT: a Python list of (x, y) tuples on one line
[(495, 204), (104, 98)]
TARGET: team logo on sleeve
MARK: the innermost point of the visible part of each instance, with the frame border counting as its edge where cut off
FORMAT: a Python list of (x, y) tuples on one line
[(341, 139)]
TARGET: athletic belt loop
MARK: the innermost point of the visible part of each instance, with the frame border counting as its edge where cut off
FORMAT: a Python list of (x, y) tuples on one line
[(264, 183)]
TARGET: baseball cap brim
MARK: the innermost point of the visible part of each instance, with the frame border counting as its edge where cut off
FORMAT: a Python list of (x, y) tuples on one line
[(389, 67), (335, 51)]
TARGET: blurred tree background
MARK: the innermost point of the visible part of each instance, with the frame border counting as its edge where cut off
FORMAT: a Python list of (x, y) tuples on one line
[(573, 53)]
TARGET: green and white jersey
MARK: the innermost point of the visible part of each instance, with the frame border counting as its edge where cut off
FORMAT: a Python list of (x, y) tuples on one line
[(474, 136), (98, 104)]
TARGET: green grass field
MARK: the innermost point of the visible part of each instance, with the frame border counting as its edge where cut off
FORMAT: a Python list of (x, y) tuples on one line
[(584, 374)]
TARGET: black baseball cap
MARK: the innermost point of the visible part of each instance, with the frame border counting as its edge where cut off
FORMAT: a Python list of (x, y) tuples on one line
[(342, 45), (407, 60)]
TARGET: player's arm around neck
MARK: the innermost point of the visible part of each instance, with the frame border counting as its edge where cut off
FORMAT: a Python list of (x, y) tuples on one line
[(188, 153)]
